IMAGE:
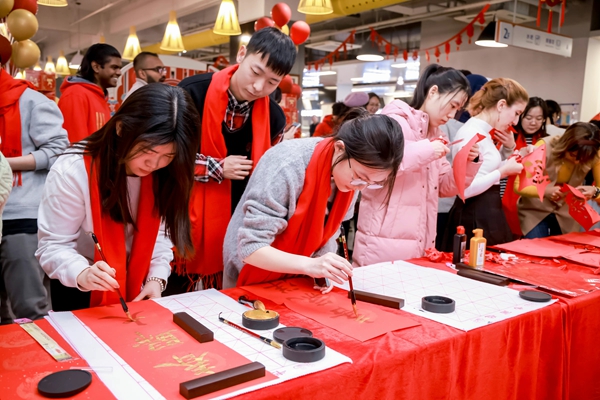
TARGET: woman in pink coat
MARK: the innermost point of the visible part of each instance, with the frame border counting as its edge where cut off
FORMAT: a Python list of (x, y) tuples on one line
[(404, 225)]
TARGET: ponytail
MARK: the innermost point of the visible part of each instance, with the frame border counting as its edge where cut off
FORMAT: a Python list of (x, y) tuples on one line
[(495, 90), (448, 80)]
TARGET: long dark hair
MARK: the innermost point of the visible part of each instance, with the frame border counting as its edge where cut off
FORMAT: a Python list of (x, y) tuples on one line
[(448, 80), (375, 141), (533, 103), (100, 53), (153, 115), (582, 138)]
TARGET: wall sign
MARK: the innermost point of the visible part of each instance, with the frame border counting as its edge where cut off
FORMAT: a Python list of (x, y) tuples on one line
[(533, 39)]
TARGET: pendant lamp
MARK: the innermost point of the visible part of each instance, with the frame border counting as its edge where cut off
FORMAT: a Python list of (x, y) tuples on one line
[(315, 7), (62, 67), (20, 75), (132, 47), (487, 38), (50, 68), (53, 3), (369, 52), (172, 40), (227, 21), (37, 66)]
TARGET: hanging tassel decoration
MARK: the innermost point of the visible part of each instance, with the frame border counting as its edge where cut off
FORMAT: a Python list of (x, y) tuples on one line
[(539, 14), (562, 13), (427, 57), (415, 55), (437, 54), (550, 21), (405, 55), (458, 42), (470, 32), (447, 50)]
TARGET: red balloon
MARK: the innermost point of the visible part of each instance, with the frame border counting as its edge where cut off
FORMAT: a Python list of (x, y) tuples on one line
[(296, 90), (263, 22), (5, 50), (286, 84), (29, 5), (281, 14), (300, 32)]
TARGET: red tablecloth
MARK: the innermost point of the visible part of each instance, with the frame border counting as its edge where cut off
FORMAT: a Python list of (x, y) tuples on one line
[(547, 354)]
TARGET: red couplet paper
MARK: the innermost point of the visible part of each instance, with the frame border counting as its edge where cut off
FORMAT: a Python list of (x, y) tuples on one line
[(333, 309), (539, 248), (534, 171), (159, 350), (459, 165), (584, 238), (579, 209), (24, 363)]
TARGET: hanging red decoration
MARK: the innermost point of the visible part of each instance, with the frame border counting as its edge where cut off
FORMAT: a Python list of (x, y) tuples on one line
[(562, 13), (415, 55), (405, 55), (539, 13), (458, 42), (550, 22), (299, 32), (437, 54), (427, 55), (286, 84), (470, 32), (388, 48), (447, 50), (281, 14)]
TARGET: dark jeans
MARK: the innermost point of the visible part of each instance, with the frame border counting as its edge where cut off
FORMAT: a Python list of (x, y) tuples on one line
[(547, 227)]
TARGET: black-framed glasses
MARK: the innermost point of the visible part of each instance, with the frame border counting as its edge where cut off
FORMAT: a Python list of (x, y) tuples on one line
[(159, 70), (360, 182)]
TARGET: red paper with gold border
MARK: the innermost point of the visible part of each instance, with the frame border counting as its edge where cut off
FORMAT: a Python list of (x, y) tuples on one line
[(24, 363), (159, 350), (579, 209), (459, 165), (333, 309)]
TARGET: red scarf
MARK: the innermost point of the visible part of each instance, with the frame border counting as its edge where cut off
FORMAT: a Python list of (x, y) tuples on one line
[(111, 236), (307, 231), (10, 117), (210, 202)]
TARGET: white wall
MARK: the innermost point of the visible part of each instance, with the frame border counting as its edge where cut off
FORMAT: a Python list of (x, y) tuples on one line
[(591, 91), (545, 75)]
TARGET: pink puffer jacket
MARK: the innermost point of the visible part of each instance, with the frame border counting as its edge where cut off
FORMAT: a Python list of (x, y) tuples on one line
[(406, 226)]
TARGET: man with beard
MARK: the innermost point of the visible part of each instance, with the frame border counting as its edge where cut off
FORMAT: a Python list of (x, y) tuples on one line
[(148, 69), (84, 96)]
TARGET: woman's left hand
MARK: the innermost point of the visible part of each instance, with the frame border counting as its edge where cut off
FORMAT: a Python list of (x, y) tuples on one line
[(473, 153), (506, 139), (151, 290), (587, 191)]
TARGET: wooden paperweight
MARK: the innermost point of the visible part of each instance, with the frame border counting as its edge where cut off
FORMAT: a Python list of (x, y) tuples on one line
[(193, 327), (221, 380), (379, 299)]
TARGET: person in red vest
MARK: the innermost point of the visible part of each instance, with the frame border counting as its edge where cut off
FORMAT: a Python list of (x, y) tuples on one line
[(84, 97), (290, 215), (129, 183), (530, 129), (239, 123), (31, 136)]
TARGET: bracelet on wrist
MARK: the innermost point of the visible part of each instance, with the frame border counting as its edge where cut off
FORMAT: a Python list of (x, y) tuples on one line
[(596, 193), (162, 282)]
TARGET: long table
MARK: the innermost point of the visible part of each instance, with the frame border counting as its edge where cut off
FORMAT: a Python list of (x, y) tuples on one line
[(551, 353)]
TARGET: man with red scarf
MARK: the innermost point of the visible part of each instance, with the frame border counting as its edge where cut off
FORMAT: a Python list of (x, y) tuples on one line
[(32, 136), (239, 124)]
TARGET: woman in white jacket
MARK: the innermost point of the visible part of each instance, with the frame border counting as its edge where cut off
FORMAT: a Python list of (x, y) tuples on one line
[(129, 183)]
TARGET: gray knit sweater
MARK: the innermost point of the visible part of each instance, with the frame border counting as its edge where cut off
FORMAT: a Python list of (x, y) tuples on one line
[(268, 203)]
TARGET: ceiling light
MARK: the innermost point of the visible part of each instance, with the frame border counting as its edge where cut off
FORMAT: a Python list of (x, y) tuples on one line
[(315, 7), (320, 73), (399, 65), (132, 47), (62, 67), (369, 52), (488, 37), (37, 66), (50, 67), (76, 60), (53, 3), (227, 21), (172, 40)]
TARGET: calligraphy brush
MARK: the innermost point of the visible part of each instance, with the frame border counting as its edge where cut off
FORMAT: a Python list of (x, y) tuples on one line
[(342, 240), (123, 304), (268, 341)]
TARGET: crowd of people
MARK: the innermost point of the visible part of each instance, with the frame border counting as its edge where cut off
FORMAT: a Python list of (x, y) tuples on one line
[(192, 187)]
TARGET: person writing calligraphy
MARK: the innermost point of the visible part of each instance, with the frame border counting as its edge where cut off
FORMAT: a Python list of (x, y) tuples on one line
[(569, 158), (130, 184), (494, 109), (289, 217)]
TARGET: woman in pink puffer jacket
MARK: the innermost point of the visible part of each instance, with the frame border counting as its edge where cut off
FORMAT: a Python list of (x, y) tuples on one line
[(405, 225)]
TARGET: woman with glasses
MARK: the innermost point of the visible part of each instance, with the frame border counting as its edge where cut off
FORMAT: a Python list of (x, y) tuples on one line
[(530, 129), (290, 214), (569, 158), (403, 227)]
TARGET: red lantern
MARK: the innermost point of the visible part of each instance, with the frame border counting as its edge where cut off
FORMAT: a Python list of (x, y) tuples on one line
[(437, 54), (415, 55), (458, 42), (281, 14), (5, 50), (427, 57), (296, 91), (447, 49), (286, 84), (300, 32), (29, 5), (470, 31), (263, 22), (405, 55)]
